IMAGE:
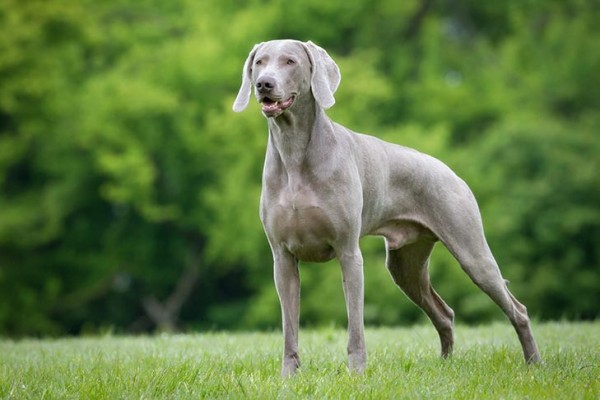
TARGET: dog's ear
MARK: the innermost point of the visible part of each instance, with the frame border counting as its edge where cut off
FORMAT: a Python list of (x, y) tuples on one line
[(243, 96), (325, 76)]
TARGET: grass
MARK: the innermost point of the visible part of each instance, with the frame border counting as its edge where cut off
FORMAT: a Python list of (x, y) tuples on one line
[(403, 363)]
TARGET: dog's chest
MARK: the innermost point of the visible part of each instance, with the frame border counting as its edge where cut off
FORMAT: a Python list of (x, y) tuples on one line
[(297, 219)]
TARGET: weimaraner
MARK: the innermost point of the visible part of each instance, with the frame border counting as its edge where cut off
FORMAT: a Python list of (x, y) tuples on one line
[(324, 187)]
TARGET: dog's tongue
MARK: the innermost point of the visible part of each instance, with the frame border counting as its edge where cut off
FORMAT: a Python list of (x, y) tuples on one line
[(270, 107), (287, 103), (273, 106)]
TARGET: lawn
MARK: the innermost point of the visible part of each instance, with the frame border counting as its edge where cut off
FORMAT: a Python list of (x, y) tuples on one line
[(403, 363)]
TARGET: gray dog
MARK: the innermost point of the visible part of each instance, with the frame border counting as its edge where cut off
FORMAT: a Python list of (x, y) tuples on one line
[(324, 187)]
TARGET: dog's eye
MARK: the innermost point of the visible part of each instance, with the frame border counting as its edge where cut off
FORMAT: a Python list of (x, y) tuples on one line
[(290, 61), (258, 62)]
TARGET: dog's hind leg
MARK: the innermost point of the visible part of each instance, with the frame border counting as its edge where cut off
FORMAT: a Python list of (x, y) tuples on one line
[(476, 259), (408, 266)]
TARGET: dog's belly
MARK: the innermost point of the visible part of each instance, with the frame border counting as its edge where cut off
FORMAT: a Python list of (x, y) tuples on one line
[(304, 230)]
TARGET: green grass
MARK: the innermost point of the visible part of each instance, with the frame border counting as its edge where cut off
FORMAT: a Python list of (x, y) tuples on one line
[(403, 363)]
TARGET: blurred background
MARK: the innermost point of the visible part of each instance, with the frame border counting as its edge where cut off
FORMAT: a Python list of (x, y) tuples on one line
[(129, 189)]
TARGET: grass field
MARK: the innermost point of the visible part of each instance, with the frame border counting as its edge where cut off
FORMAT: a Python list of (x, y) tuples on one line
[(403, 363)]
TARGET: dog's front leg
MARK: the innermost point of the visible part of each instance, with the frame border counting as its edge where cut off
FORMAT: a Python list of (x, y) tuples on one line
[(287, 282), (351, 262)]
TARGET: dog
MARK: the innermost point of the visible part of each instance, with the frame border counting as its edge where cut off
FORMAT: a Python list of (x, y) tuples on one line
[(324, 187)]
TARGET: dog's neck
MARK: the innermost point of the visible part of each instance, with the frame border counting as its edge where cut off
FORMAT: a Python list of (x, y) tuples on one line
[(290, 134)]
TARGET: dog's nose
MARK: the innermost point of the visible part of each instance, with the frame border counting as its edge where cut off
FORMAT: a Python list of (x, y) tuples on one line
[(265, 84)]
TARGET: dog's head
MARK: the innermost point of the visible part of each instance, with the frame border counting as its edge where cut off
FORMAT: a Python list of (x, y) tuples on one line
[(282, 71)]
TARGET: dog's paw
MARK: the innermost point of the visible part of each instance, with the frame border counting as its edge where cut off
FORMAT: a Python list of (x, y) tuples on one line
[(290, 366), (357, 362)]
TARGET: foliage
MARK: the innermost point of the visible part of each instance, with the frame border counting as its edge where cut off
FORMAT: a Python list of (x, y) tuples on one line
[(129, 190), (403, 363)]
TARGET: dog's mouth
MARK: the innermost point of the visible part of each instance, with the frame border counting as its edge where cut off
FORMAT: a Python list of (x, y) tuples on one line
[(275, 107)]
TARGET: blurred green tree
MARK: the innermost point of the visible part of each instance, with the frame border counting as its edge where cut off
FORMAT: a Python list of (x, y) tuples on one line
[(129, 190)]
